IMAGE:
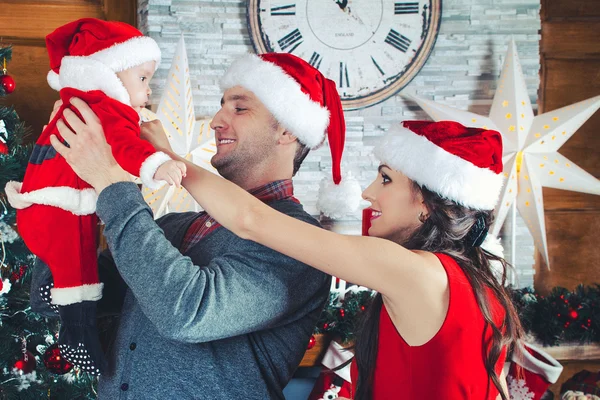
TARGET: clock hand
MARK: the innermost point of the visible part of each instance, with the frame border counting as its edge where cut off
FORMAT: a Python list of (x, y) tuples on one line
[(341, 3)]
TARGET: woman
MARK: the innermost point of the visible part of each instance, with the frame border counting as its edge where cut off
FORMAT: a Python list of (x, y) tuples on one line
[(441, 323)]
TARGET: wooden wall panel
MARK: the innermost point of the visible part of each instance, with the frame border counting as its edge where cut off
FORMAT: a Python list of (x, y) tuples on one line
[(34, 20), (570, 39), (570, 72), (573, 248), (25, 24), (563, 9)]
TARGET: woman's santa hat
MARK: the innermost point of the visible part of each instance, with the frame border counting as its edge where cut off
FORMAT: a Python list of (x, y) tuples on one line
[(307, 105), (86, 54), (458, 163)]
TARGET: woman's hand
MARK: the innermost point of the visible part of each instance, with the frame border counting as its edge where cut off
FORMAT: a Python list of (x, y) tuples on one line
[(87, 151), (153, 132)]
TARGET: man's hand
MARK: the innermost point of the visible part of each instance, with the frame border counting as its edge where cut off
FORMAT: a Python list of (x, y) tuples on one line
[(153, 132), (87, 151), (172, 172)]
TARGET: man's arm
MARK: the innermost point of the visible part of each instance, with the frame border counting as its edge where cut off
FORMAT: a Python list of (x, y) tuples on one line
[(247, 289)]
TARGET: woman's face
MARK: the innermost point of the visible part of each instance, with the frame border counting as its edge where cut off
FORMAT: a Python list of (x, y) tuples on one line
[(396, 206)]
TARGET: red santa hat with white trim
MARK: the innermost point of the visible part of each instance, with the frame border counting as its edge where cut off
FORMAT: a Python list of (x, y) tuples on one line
[(459, 163), (307, 105), (86, 54)]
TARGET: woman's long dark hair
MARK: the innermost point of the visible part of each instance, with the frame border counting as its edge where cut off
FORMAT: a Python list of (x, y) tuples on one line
[(446, 231)]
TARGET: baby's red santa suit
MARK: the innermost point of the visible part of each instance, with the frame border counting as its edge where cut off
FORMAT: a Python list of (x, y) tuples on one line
[(55, 209)]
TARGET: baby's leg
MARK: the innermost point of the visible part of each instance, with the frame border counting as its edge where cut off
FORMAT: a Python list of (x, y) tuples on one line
[(67, 244)]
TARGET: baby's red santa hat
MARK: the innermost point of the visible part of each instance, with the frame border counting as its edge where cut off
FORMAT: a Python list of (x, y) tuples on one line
[(458, 163), (86, 54), (306, 104)]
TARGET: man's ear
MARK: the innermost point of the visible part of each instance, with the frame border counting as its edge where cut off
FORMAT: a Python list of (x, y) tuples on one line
[(286, 138)]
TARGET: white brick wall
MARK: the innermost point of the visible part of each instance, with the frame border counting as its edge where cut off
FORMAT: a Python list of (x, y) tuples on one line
[(462, 72)]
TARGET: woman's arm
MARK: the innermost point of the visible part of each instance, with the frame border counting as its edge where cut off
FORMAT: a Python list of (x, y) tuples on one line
[(376, 263)]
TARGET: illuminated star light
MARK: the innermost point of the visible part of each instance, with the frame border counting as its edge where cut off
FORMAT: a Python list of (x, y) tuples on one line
[(190, 138)]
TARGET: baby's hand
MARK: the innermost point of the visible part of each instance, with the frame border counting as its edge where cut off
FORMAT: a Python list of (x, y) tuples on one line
[(171, 171)]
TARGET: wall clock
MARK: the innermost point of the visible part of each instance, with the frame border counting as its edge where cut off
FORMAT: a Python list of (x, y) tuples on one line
[(370, 48)]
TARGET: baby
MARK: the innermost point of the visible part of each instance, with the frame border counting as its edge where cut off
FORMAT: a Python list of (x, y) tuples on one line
[(109, 65)]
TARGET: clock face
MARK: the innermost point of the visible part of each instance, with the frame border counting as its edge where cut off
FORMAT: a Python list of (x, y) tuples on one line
[(370, 48)]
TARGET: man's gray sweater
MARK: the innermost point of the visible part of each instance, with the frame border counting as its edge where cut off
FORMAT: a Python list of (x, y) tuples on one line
[(229, 319)]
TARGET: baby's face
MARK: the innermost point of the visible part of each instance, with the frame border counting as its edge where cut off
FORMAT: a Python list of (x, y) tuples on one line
[(137, 82)]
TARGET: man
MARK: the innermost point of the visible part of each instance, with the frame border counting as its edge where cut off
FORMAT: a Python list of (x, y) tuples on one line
[(207, 314)]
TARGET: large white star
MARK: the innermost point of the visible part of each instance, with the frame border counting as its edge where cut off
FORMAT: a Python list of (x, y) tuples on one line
[(189, 138), (530, 156)]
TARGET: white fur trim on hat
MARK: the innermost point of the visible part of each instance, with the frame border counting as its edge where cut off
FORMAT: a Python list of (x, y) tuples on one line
[(550, 369), (336, 201), (128, 54), (282, 95), (444, 173), (53, 80), (492, 244), (76, 294), (149, 167), (86, 74), (98, 71), (77, 201)]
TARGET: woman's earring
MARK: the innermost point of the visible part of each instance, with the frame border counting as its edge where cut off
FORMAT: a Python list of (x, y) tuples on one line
[(422, 217)]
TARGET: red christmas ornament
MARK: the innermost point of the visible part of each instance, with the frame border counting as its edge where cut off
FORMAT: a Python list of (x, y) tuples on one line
[(26, 363), (312, 342), (3, 147), (342, 312), (325, 326), (8, 83), (54, 362), (573, 314), (362, 308)]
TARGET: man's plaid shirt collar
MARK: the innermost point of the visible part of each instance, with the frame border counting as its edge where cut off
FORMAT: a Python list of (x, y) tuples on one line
[(205, 224)]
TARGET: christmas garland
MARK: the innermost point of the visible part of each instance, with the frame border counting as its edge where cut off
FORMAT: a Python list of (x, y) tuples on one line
[(562, 316)]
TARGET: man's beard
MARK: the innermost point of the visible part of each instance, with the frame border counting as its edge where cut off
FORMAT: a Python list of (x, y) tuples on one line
[(240, 163)]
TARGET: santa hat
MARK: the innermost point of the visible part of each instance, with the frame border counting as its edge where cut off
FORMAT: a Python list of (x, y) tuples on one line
[(307, 105), (458, 163), (531, 372), (86, 54)]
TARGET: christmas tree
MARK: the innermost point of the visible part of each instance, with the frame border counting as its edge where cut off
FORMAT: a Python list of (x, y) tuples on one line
[(30, 364)]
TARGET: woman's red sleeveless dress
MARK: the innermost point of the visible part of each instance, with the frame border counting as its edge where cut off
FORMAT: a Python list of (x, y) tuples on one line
[(448, 367)]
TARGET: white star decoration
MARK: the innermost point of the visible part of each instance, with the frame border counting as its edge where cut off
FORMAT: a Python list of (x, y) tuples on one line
[(530, 155), (189, 138)]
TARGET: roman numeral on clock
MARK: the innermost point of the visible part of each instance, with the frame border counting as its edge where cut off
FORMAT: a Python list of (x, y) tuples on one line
[(344, 75), (377, 65), (315, 60), (294, 38), (284, 10), (406, 8), (397, 40)]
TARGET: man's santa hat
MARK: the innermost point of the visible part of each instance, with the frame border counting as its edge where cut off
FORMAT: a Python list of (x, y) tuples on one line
[(307, 105), (458, 163), (86, 54)]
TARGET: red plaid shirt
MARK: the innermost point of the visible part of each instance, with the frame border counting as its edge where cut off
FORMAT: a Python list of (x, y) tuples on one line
[(205, 224)]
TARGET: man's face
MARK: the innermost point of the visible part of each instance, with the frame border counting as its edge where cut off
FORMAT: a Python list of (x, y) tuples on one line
[(245, 132)]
